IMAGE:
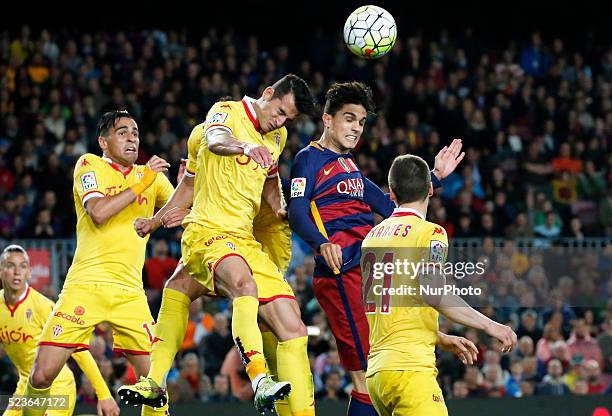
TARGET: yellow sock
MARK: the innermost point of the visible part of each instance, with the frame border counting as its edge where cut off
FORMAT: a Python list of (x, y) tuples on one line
[(34, 393), (293, 366), (270, 344), (247, 336), (169, 333)]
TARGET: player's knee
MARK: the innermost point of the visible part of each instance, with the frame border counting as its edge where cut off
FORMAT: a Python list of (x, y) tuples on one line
[(245, 286), (295, 328), (40, 379), (178, 279), (300, 329)]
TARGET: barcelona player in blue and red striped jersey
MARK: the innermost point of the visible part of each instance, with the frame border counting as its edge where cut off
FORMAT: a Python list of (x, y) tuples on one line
[(332, 207)]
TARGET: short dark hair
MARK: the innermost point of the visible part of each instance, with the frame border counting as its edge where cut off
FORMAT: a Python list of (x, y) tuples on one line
[(109, 119), (409, 179), (304, 100), (353, 92), (13, 248)]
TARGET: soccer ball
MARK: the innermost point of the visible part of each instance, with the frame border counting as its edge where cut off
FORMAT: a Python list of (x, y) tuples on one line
[(370, 32)]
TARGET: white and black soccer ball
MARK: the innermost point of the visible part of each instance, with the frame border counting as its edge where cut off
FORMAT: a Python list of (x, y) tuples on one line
[(370, 32)]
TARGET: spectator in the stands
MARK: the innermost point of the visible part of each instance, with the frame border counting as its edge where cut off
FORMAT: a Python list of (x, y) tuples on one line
[(159, 267), (552, 384)]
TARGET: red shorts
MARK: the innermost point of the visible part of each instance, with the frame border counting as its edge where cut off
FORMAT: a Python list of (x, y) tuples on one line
[(341, 299)]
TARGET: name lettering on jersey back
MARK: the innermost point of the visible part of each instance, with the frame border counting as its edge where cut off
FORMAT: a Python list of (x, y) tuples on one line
[(395, 230), (14, 336), (352, 186)]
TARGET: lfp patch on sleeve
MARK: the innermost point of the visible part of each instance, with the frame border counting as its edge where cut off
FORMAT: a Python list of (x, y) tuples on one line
[(437, 251), (88, 180), (217, 118), (298, 187)]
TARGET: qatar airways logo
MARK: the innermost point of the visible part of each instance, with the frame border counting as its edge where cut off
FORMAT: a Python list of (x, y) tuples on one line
[(351, 186)]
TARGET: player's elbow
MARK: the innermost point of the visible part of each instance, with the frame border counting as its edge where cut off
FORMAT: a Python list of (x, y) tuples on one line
[(97, 213), (213, 143), (97, 219)]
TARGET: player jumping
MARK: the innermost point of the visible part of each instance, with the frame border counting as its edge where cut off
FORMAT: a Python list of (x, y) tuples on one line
[(104, 282), (232, 162), (331, 208), (401, 374)]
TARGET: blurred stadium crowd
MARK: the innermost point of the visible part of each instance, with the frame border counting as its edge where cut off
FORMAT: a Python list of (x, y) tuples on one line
[(535, 117)]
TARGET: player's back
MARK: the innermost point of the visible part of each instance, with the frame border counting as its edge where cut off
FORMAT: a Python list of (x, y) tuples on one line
[(111, 253), (403, 329), (20, 329), (227, 189)]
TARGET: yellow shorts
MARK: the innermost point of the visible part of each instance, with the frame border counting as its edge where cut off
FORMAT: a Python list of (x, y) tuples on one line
[(204, 249), (62, 386), (274, 235), (406, 393), (81, 307)]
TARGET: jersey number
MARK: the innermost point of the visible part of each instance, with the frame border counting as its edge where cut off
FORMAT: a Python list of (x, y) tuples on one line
[(369, 296)]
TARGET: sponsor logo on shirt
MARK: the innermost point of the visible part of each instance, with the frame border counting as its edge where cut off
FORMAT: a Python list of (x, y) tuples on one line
[(353, 187)]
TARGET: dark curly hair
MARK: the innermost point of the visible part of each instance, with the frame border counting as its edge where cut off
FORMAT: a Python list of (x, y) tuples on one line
[(353, 92)]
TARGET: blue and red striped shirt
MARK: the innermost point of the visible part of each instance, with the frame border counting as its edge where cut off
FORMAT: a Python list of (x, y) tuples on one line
[(332, 201)]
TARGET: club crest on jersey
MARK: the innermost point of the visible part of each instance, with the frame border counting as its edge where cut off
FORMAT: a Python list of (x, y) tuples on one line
[(28, 314), (57, 330), (298, 187), (219, 117), (277, 139), (88, 180), (437, 251), (344, 165)]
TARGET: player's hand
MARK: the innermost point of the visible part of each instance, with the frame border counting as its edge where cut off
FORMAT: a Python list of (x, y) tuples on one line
[(463, 348), (503, 334), (157, 164), (145, 226), (447, 159), (174, 217), (332, 253), (181, 171), (260, 155), (107, 407)]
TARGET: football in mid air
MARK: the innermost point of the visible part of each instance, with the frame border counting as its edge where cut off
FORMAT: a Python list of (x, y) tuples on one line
[(370, 32)]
